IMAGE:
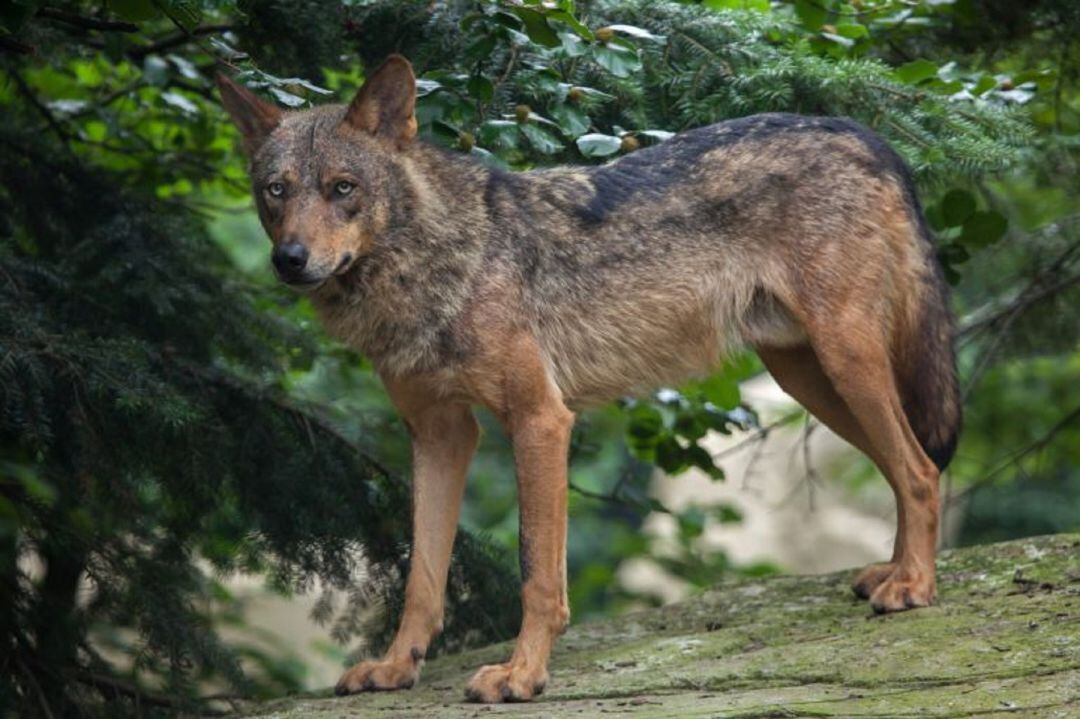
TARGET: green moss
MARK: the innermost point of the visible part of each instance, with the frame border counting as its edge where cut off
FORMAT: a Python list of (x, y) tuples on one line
[(1003, 639)]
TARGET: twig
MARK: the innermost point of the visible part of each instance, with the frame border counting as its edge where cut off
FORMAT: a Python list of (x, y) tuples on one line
[(11, 45), (1020, 454), (86, 23), (26, 91), (177, 39), (759, 434), (37, 688)]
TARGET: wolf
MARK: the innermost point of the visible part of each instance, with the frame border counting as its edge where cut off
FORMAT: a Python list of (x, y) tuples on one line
[(537, 293)]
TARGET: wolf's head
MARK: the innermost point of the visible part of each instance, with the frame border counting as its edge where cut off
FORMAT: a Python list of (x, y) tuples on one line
[(326, 181)]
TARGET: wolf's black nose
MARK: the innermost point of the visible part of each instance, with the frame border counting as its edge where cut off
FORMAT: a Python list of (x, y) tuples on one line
[(290, 258)]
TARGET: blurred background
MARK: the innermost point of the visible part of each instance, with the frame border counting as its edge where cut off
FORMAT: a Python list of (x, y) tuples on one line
[(203, 498)]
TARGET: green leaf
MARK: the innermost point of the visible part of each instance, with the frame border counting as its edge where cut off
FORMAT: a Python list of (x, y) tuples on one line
[(659, 135), (481, 88), (670, 455), (957, 206), (541, 139), (984, 228), (576, 25), (699, 457), (537, 28), (134, 10), (916, 71), (155, 70), (426, 87), (691, 523), (838, 39), (617, 59), (499, 134), (852, 30), (637, 32), (727, 514), (571, 120), (286, 98), (186, 13), (720, 389), (645, 422), (811, 14), (180, 102), (598, 145)]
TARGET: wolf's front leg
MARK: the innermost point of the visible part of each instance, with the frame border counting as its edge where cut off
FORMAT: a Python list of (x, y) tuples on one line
[(444, 438), (541, 438)]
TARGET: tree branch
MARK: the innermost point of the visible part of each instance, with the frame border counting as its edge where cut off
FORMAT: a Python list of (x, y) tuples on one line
[(86, 23), (177, 39)]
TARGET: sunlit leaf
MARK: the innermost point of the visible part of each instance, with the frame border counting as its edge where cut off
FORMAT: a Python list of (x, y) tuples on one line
[(598, 145)]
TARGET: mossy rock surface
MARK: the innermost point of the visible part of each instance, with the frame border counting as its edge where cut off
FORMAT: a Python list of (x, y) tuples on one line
[(1004, 640)]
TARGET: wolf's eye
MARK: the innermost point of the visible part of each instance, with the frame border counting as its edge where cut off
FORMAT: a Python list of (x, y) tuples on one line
[(343, 187), (276, 189)]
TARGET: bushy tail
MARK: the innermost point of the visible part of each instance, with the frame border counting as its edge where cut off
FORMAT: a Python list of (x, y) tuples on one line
[(927, 376)]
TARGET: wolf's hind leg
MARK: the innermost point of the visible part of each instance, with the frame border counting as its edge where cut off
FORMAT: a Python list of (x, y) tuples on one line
[(798, 371), (853, 354)]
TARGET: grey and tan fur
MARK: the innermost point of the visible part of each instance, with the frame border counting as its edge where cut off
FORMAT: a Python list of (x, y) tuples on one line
[(539, 292)]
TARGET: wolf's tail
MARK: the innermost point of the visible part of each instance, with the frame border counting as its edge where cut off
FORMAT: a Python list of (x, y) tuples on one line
[(927, 367)]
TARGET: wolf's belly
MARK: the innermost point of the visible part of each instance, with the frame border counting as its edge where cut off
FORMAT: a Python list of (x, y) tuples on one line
[(599, 355)]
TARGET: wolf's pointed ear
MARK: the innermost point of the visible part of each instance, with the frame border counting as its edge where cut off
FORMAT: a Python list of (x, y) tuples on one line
[(386, 104), (255, 117)]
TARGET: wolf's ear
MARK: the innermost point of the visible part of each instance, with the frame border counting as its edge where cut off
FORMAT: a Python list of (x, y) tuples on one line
[(255, 117), (386, 104)]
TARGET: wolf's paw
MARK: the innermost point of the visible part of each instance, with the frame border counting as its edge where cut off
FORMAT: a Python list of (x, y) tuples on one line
[(378, 676), (904, 589), (871, 578), (496, 683)]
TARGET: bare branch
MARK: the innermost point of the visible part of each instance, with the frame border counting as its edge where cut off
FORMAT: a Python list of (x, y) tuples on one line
[(86, 23)]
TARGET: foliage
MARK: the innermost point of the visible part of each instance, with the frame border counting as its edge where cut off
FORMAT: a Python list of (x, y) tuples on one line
[(147, 439), (154, 435)]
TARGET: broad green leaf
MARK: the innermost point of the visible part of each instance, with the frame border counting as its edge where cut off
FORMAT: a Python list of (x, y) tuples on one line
[(286, 98), (598, 145), (719, 388), (185, 13), (576, 25), (670, 456), (759, 5), (916, 71), (481, 88), (571, 120), (699, 457), (811, 14), (499, 134), (645, 421), (984, 228), (426, 87), (727, 514), (659, 135), (155, 70), (182, 103), (537, 28), (956, 206), (838, 39), (636, 32), (617, 59), (541, 139), (134, 10), (852, 30)]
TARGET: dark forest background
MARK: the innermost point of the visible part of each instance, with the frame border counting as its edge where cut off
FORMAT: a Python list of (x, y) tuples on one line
[(170, 417)]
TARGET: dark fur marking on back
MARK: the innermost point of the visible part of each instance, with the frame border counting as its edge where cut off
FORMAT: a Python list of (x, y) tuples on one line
[(648, 173)]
